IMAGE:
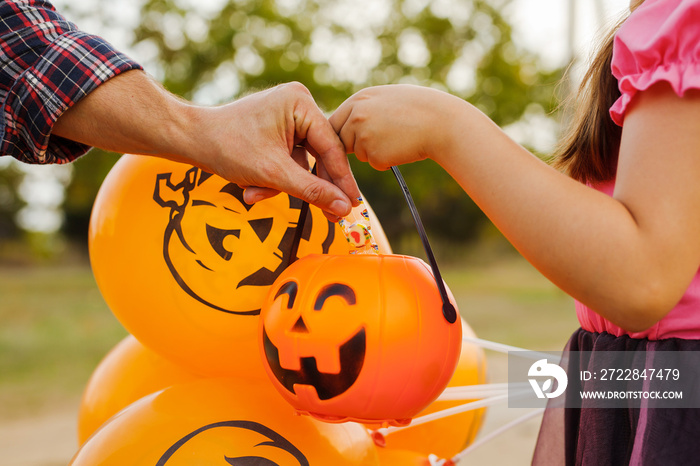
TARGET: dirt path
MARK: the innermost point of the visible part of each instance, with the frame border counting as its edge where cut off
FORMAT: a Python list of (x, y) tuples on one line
[(51, 440), (48, 440)]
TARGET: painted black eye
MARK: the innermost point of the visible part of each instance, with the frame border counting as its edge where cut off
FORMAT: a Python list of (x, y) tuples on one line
[(200, 203), (334, 289), (250, 461), (290, 289), (237, 192), (216, 237), (262, 227)]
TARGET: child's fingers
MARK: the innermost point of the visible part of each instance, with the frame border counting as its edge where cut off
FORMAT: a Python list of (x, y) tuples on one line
[(348, 129), (319, 136), (340, 115), (340, 123)]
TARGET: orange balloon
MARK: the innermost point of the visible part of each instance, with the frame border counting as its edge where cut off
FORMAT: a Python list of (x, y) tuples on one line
[(185, 264), (358, 337), (450, 435), (129, 372), (391, 457), (224, 422)]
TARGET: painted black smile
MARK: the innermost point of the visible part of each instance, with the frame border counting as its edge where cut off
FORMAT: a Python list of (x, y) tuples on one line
[(352, 358)]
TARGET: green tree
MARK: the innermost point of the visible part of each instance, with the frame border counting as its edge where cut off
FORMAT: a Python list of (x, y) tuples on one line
[(9, 201), (213, 54), (336, 48)]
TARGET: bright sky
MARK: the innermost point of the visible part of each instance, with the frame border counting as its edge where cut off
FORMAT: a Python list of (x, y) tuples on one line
[(544, 24)]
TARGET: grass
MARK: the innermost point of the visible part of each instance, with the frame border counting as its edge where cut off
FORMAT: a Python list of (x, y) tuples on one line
[(510, 302), (56, 327)]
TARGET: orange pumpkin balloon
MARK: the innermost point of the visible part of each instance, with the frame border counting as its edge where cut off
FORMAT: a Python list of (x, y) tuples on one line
[(127, 373), (450, 435), (185, 264), (222, 422), (391, 457), (358, 337)]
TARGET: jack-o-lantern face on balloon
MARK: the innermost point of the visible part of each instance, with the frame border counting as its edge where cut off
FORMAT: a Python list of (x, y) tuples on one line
[(358, 337), (185, 264), (222, 421), (223, 252), (234, 443)]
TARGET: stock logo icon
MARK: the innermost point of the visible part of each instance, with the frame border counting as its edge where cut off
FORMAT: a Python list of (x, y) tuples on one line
[(552, 372)]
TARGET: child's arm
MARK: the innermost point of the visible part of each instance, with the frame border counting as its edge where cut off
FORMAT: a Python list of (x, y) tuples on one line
[(629, 257)]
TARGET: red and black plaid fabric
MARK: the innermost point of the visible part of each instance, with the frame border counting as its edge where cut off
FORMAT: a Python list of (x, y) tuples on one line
[(46, 66)]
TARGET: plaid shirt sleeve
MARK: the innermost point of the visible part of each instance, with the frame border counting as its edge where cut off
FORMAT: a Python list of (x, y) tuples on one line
[(46, 66)]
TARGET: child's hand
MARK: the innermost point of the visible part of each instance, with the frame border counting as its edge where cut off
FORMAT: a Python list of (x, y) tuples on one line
[(397, 124)]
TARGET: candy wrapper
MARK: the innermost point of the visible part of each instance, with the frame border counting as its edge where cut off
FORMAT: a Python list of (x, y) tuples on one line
[(358, 230)]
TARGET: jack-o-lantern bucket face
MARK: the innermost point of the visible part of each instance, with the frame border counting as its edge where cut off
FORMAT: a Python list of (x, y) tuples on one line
[(358, 337), (185, 264)]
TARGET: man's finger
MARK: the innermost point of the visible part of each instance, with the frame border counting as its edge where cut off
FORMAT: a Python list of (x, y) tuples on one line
[(301, 157), (315, 190), (253, 194), (323, 140)]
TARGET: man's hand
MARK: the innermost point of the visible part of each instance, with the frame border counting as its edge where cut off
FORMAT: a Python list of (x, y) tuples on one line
[(255, 142), (262, 150)]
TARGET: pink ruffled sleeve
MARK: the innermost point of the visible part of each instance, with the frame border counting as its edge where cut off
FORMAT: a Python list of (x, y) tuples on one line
[(660, 41)]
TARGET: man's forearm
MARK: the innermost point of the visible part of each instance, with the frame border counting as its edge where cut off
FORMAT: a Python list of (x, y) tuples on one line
[(48, 66), (249, 141), (108, 102), (131, 113)]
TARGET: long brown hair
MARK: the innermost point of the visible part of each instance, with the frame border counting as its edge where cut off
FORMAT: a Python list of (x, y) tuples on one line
[(588, 152)]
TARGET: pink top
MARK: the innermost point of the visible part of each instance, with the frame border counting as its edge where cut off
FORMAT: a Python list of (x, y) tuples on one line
[(660, 41)]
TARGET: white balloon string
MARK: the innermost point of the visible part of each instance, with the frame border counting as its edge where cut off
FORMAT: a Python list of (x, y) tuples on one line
[(460, 456), (447, 412), (484, 395), (477, 392), (514, 394), (501, 348)]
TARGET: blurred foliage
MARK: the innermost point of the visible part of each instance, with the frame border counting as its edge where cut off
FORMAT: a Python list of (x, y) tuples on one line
[(9, 201), (88, 174), (213, 52)]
